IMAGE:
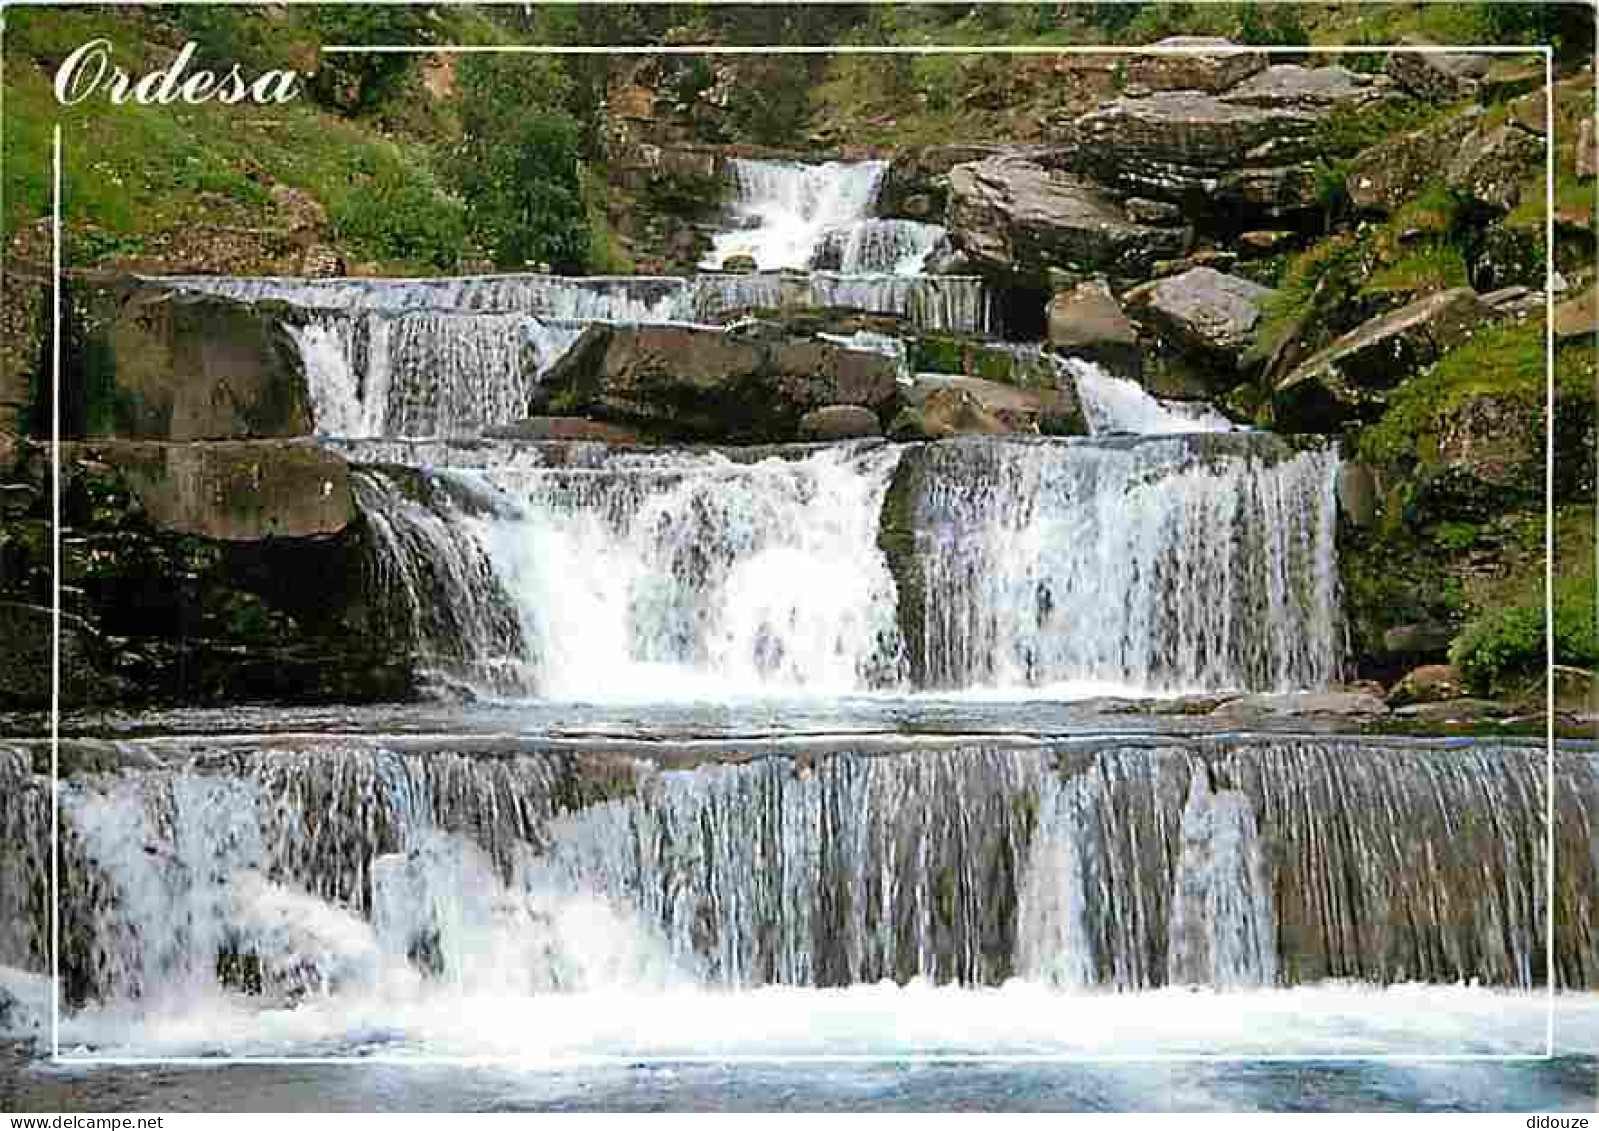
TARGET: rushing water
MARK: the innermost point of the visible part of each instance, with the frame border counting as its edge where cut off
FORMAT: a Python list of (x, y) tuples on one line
[(790, 753)]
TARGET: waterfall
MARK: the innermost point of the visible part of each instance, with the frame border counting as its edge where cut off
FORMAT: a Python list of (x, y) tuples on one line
[(1115, 404), (433, 580), (895, 247), (318, 865), (683, 574), (424, 373), (1162, 565), (783, 209), (1221, 929)]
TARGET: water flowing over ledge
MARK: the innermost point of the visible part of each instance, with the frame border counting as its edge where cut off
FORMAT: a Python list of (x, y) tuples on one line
[(328, 870)]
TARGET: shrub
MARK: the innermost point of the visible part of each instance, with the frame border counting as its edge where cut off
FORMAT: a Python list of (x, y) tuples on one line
[(1505, 647), (399, 215)]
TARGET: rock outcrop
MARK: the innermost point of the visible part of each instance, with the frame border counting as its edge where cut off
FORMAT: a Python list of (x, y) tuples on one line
[(941, 406), (683, 383), (1438, 74), (1202, 312), (155, 364), (1350, 378), (1015, 218), (1386, 175), (1191, 62)]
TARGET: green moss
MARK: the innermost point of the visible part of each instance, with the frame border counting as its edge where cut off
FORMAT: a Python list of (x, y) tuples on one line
[(1431, 268), (1348, 130)]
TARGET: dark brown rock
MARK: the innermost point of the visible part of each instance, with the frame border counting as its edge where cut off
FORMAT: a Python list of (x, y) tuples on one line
[(684, 383), (839, 422), (234, 491), (1087, 322), (951, 405), (1430, 683)]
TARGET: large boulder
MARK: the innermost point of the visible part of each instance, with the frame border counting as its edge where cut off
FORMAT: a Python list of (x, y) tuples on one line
[(1390, 173), (1287, 86), (945, 400), (1201, 311), (157, 364), (1191, 62), (234, 491), (1430, 683), (1087, 322), (916, 186), (1350, 378), (1193, 148), (1493, 163), (1434, 73), (1014, 217), (686, 383), (839, 422)]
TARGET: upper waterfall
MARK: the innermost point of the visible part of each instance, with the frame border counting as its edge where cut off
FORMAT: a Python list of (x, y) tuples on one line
[(784, 209)]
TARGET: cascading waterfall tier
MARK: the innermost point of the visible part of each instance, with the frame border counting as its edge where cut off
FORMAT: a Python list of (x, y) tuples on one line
[(1114, 404), (1169, 564), (894, 247), (300, 865), (424, 373), (1172, 564), (783, 209), (643, 575)]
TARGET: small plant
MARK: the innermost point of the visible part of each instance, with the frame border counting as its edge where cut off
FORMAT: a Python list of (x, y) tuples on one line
[(1506, 647)]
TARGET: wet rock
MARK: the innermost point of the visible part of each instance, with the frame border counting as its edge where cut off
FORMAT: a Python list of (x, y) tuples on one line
[(564, 428), (236, 491), (1349, 379), (839, 422), (1430, 683), (1417, 640), (956, 405), (170, 366), (1087, 322), (1388, 174), (684, 383), (1344, 704), (1454, 712), (1194, 62), (1357, 494), (1014, 217), (1435, 75), (916, 185), (1203, 311), (946, 411), (26, 644)]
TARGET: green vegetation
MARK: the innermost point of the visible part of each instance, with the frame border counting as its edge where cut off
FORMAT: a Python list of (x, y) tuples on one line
[(1505, 648)]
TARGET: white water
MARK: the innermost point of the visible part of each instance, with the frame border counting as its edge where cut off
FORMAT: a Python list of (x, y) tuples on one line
[(1115, 404), (783, 209), (687, 576), (893, 247), (1152, 565), (425, 373)]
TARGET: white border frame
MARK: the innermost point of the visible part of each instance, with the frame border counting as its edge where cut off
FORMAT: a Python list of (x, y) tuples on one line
[(566, 1062)]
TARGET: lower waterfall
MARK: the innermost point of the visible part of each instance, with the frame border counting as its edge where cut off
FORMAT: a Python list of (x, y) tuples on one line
[(314, 865)]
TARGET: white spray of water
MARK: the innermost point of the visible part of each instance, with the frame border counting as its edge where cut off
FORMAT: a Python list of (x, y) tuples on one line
[(1115, 404), (784, 208)]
